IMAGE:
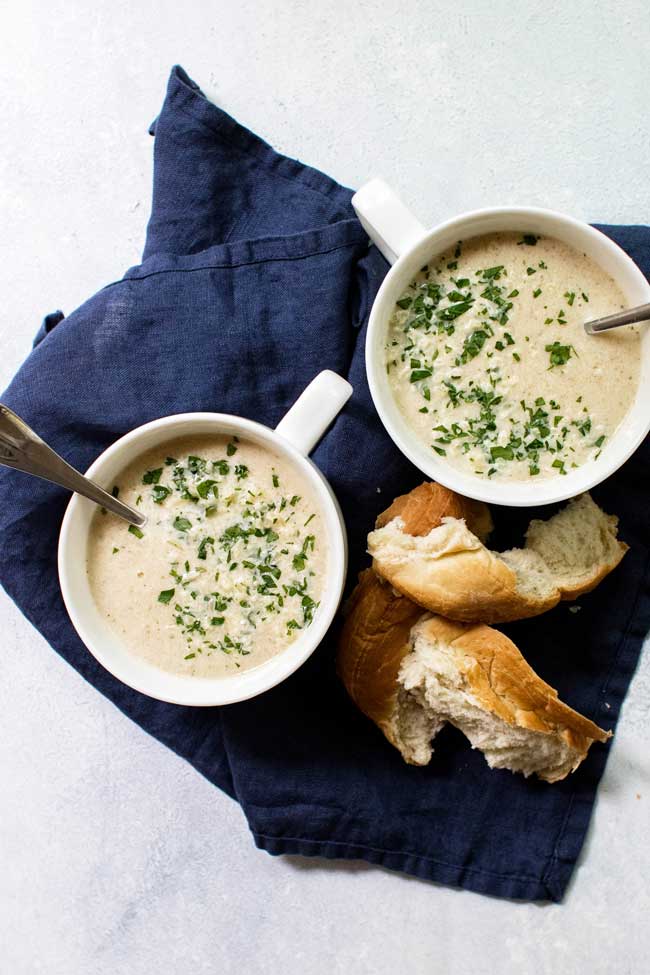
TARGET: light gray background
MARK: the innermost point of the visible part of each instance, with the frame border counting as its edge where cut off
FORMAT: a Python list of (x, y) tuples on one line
[(116, 857)]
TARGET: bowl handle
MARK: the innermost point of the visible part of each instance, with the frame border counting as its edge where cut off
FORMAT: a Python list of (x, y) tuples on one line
[(388, 223), (309, 417)]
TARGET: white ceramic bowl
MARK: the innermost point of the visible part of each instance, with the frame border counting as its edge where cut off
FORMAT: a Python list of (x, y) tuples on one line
[(407, 245), (294, 437)]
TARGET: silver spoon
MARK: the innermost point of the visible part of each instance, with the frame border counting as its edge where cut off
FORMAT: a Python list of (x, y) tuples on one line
[(630, 317), (24, 450)]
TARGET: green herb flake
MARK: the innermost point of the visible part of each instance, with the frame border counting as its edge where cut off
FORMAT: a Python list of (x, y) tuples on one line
[(182, 524), (559, 354), (537, 292), (231, 449), (206, 487), (419, 374), (136, 531), (473, 345), (502, 453), (203, 547), (166, 595), (529, 239), (152, 477)]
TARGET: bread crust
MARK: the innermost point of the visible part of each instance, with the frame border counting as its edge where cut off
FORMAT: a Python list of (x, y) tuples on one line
[(425, 506), (503, 682), (466, 581), (378, 636), (373, 643)]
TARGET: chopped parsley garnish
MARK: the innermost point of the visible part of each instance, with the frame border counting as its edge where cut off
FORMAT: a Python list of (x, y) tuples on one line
[(197, 465), (136, 531), (419, 374), (559, 354), (203, 547), (256, 553), (472, 345), (160, 493), (152, 477), (447, 347), (207, 487)]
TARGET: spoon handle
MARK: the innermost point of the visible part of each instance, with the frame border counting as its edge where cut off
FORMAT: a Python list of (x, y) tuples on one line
[(630, 317), (24, 450)]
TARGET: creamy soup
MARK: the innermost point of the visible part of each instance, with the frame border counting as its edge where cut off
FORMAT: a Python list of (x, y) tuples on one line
[(229, 568), (488, 361)]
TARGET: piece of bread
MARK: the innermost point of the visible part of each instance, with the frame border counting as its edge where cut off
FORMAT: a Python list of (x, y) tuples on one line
[(412, 673), (450, 571), (425, 506)]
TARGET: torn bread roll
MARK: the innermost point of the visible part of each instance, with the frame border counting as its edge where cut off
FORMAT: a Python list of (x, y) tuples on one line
[(412, 673), (439, 560)]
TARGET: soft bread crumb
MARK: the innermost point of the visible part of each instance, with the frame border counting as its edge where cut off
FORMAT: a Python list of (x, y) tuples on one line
[(440, 681), (578, 544), (411, 673)]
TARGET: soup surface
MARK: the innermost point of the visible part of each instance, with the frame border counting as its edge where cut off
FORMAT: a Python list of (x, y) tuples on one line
[(489, 363), (229, 568)]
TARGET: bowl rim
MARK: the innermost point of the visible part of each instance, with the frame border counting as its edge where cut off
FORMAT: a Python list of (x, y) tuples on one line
[(139, 674), (524, 493)]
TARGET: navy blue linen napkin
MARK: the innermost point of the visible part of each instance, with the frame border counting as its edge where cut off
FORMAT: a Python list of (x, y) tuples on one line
[(255, 276)]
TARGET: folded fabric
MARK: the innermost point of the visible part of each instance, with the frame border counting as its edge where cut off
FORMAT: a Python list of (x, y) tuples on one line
[(255, 276)]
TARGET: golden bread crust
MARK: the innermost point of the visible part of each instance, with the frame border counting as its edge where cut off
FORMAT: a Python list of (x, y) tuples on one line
[(502, 682), (373, 643), (425, 506)]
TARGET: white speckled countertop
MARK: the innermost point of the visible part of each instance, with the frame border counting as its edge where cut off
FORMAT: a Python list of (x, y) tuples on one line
[(116, 856)]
